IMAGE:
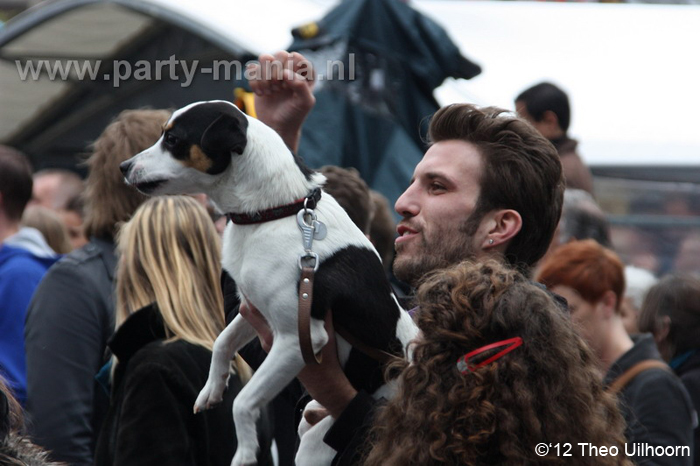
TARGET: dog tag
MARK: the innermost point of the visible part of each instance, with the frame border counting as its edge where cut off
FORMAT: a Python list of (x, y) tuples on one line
[(320, 230)]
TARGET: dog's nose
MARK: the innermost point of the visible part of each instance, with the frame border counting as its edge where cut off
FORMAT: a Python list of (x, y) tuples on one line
[(125, 167)]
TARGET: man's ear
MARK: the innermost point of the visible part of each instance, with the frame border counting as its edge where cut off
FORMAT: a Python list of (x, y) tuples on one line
[(609, 303), (503, 225), (549, 126), (662, 329), (550, 118)]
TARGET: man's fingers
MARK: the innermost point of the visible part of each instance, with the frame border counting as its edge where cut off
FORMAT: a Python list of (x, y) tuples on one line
[(326, 382), (254, 75), (300, 87), (270, 71), (302, 66), (328, 323), (283, 56), (259, 323), (330, 349), (314, 416), (246, 311), (265, 58), (270, 68)]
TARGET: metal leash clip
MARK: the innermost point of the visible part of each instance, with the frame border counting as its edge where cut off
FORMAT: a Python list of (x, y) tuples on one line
[(311, 229)]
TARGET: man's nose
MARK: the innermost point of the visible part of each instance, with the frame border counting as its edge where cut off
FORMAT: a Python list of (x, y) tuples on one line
[(406, 205)]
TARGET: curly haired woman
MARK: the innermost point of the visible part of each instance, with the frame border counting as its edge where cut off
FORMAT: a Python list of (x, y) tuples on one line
[(498, 369)]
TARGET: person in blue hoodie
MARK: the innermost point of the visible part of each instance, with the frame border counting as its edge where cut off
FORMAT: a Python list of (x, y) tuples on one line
[(24, 259)]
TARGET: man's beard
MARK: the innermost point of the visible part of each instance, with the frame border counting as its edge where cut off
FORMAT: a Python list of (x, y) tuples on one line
[(444, 250)]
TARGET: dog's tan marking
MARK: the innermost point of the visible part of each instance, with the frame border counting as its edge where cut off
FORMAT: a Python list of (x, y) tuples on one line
[(198, 160), (167, 126)]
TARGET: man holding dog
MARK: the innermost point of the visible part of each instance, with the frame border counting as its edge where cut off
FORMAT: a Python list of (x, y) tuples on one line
[(489, 186)]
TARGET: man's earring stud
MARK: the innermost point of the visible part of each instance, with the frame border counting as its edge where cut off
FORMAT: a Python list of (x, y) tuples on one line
[(490, 240)]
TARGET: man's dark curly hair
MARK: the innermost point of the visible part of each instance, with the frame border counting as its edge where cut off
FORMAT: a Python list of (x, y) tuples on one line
[(352, 193), (548, 390)]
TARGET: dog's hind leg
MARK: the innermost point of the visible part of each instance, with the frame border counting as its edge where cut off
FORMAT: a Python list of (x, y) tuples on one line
[(280, 367), (232, 338)]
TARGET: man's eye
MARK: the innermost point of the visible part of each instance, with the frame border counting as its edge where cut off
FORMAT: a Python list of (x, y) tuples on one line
[(437, 187), (170, 139)]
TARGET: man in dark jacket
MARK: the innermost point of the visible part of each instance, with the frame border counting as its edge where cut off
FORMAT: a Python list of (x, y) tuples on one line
[(687, 367), (71, 315), (671, 312), (656, 406)]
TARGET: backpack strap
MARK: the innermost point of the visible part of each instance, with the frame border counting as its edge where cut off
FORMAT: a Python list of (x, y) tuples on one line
[(626, 377)]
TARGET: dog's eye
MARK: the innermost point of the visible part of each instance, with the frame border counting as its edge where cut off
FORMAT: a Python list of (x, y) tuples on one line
[(170, 139)]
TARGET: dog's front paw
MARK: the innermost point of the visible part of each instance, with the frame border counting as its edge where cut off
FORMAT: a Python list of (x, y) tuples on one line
[(244, 457), (211, 395)]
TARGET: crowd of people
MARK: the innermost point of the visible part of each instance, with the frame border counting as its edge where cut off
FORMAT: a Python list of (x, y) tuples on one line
[(537, 344)]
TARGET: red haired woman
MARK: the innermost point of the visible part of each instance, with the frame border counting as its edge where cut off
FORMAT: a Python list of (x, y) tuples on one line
[(655, 404)]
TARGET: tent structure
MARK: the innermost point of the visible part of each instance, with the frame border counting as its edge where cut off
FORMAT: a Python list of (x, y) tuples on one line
[(119, 54), (54, 118)]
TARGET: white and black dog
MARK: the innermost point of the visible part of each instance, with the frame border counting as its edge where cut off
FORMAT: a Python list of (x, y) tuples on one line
[(245, 167)]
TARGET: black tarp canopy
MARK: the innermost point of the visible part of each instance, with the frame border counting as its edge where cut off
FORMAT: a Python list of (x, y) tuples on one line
[(375, 122)]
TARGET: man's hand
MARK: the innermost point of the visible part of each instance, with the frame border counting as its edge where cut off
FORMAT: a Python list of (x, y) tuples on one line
[(325, 382), (283, 85), (259, 323)]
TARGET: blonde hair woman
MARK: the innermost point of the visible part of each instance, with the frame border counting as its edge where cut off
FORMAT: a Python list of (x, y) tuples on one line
[(169, 312)]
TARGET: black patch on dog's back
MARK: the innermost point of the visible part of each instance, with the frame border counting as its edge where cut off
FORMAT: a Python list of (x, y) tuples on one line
[(217, 128), (352, 283)]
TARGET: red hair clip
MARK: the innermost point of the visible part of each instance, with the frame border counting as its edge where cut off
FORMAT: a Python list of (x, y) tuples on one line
[(463, 363)]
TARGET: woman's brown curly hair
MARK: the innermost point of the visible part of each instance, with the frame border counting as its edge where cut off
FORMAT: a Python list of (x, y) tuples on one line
[(546, 391)]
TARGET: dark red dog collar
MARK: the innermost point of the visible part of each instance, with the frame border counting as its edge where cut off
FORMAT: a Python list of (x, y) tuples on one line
[(276, 213)]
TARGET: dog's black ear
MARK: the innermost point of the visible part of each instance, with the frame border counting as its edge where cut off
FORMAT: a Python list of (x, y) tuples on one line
[(227, 133)]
